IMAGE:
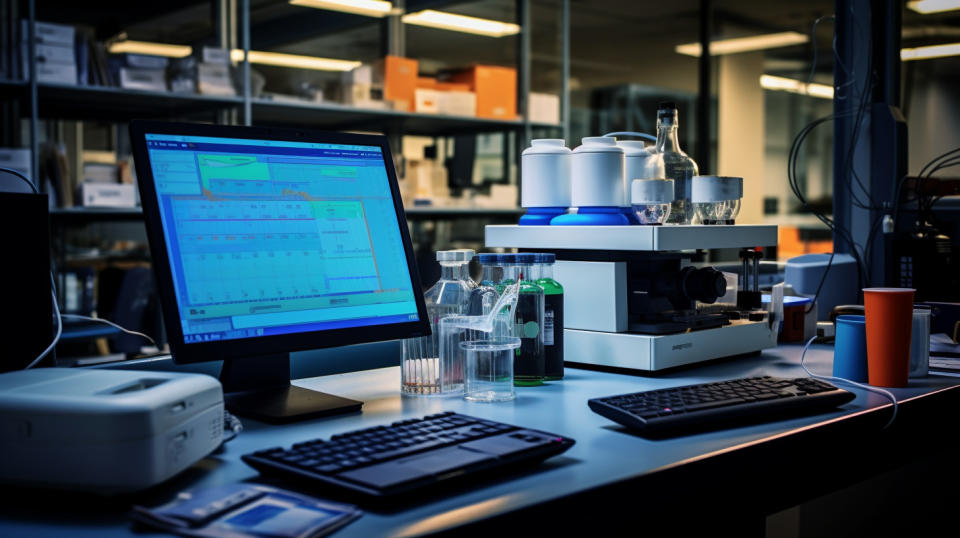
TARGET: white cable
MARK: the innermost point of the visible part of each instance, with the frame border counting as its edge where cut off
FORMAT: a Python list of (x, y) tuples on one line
[(56, 337), (110, 323), (633, 133), (60, 317), (886, 393)]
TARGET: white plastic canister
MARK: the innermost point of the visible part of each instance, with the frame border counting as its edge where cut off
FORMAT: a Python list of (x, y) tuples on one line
[(598, 174), (545, 174)]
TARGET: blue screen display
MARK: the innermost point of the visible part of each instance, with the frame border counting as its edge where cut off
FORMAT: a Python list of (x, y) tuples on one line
[(269, 237)]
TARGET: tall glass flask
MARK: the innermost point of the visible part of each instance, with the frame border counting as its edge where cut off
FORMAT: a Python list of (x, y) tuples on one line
[(678, 165), (422, 372)]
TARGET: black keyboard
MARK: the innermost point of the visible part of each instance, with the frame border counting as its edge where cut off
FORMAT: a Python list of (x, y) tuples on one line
[(412, 454), (713, 405)]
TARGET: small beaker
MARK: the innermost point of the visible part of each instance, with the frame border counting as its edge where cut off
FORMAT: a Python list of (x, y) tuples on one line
[(489, 369)]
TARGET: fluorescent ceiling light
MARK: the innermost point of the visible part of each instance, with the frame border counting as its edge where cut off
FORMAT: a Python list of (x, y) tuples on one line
[(933, 6), (746, 44), (461, 23), (153, 49), (295, 60), (933, 51), (770, 82), (370, 8)]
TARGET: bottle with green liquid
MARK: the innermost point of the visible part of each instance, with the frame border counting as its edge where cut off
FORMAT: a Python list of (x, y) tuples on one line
[(552, 316), (528, 363)]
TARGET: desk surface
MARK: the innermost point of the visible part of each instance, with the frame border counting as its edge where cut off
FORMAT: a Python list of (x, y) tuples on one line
[(605, 457)]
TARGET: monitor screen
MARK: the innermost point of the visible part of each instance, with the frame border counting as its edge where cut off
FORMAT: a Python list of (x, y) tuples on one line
[(273, 237)]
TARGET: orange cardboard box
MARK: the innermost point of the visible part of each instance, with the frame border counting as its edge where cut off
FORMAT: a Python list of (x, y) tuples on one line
[(452, 86), (427, 83), (398, 76), (496, 89)]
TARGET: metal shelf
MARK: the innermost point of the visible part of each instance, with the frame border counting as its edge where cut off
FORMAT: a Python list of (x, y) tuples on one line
[(337, 116), (122, 104), (82, 215), (631, 238)]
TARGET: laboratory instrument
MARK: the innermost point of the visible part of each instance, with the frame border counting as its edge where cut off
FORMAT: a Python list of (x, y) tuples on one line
[(552, 315), (677, 165), (805, 274), (652, 200), (720, 404), (716, 199), (545, 169), (410, 456), (597, 184), (633, 292), (107, 431), (422, 371)]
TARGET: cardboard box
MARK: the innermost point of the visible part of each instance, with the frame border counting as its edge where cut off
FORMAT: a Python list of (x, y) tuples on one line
[(496, 89), (544, 108), (428, 83), (398, 76), (49, 33), (57, 73), (108, 195), (452, 86), (143, 79), (457, 103), (425, 100), (214, 79)]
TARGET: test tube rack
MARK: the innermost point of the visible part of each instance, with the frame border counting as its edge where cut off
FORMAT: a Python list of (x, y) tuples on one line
[(595, 267)]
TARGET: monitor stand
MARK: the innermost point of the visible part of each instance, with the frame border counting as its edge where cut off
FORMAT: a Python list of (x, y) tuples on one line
[(259, 388)]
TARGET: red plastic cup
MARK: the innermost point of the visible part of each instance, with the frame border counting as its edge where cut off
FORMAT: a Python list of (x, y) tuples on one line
[(889, 313)]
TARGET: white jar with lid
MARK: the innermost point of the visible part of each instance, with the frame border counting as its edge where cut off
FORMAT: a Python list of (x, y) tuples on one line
[(545, 180), (597, 184), (598, 174)]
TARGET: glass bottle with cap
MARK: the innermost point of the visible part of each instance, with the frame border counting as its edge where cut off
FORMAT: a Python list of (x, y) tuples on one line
[(678, 166), (421, 370), (552, 316), (485, 295), (652, 200), (528, 366)]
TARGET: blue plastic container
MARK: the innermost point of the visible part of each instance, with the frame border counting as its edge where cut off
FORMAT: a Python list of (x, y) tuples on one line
[(540, 216), (850, 349), (593, 216)]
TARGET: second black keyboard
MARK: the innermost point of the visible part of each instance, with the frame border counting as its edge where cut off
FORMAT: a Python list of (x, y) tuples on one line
[(409, 454), (713, 405)]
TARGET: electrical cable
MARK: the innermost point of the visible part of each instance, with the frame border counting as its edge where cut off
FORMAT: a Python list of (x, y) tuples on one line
[(56, 337), (25, 179), (888, 394), (633, 133), (110, 323)]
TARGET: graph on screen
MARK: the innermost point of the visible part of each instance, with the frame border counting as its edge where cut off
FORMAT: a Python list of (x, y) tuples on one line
[(287, 232)]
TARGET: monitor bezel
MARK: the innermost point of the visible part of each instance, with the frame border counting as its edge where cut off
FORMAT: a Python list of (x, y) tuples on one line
[(262, 345)]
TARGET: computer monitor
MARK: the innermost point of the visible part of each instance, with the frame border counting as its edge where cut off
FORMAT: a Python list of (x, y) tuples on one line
[(267, 241)]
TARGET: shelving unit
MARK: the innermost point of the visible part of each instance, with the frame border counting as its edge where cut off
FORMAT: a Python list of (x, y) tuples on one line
[(36, 108)]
